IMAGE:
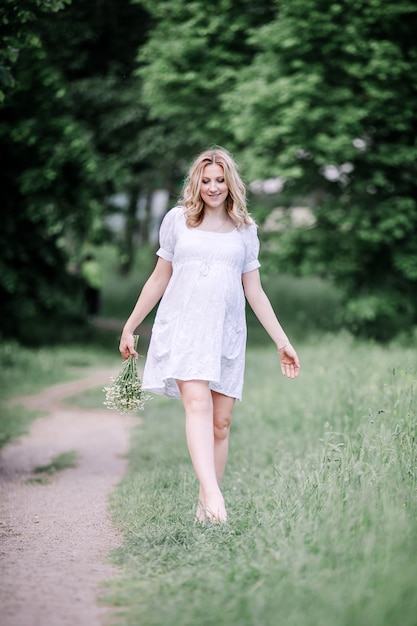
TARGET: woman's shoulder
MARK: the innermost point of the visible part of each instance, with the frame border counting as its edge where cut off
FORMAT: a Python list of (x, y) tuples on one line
[(177, 209), (250, 229), (175, 212), (173, 215)]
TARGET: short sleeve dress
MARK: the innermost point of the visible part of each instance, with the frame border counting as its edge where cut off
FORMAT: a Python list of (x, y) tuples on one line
[(199, 331)]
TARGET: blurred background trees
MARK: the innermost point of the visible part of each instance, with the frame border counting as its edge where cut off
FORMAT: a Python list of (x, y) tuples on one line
[(69, 124), (328, 103), (113, 98)]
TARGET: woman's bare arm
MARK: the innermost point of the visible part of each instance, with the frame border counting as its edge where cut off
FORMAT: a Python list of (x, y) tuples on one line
[(150, 295), (263, 310)]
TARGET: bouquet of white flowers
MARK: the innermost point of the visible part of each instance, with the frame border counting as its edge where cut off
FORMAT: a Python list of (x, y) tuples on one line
[(125, 393)]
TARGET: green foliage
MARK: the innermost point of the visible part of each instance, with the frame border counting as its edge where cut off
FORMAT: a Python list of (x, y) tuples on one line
[(66, 115), (334, 85), (106, 97), (120, 292), (320, 494), (188, 64), (98, 67), (16, 20), (305, 305), (117, 96), (49, 171)]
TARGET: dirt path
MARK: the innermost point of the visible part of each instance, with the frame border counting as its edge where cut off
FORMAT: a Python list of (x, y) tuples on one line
[(55, 538)]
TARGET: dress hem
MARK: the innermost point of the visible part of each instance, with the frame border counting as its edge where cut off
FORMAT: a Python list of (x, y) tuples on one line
[(170, 392)]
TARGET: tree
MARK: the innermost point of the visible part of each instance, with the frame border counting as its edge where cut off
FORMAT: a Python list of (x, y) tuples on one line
[(99, 69), (329, 103), (188, 64), (16, 19), (49, 170), (61, 161)]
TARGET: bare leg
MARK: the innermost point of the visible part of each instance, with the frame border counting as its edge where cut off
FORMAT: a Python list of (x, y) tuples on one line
[(198, 404), (222, 416)]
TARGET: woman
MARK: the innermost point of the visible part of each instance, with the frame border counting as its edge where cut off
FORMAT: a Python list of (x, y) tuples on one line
[(207, 265)]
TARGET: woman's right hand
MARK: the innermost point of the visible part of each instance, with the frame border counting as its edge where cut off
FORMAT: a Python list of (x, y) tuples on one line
[(127, 345), (290, 363)]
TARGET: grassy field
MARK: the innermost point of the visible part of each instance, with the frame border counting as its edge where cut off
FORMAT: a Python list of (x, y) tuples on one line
[(26, 371), (321, 495), (320, 488)]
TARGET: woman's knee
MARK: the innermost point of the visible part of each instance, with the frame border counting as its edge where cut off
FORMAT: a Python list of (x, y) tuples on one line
[(222, 415), (195, 395), (221, 428), (221, 422)]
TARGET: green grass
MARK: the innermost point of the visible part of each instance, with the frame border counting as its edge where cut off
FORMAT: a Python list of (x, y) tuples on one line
[(304, 305), (15, 421), (320, 488), (58, 463), (321, 495), (26, 371), (90, 399)]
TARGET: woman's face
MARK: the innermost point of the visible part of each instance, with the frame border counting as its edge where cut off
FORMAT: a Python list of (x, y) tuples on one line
[(213, 189)]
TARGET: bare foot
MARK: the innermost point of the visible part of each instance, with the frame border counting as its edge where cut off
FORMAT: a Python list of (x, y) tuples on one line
[(200, 514), (215, 510)]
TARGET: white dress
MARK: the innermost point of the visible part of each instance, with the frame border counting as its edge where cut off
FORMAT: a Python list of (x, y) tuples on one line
[(199, 331)]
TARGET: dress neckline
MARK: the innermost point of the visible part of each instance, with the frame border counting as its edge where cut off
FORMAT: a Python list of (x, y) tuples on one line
[(213, 232), (209, 232)]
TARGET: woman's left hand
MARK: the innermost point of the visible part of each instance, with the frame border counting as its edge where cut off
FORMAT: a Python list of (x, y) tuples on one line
[(290, 364)]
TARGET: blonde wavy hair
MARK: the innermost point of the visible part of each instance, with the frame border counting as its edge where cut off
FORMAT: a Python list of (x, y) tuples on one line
[(236, 198)]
